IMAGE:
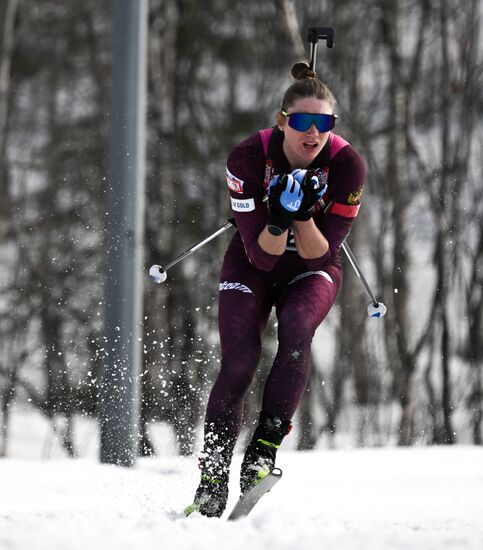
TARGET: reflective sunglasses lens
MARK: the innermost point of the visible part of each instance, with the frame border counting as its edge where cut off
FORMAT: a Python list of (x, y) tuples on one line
[(300, 121), (324, 123)]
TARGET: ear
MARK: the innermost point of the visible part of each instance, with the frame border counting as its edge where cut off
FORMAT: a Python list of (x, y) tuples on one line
[(281, 121)]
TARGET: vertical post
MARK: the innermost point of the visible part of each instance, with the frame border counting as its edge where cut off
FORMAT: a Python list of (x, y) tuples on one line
[(119, 406)]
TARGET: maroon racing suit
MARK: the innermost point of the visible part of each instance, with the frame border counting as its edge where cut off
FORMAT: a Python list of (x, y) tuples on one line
[(253, 281)]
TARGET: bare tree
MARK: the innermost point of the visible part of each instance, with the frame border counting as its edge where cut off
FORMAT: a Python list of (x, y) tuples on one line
[(8, 12), (408, 80)]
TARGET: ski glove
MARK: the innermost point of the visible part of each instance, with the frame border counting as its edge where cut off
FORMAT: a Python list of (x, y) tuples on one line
[(284, 199), (312, 188)]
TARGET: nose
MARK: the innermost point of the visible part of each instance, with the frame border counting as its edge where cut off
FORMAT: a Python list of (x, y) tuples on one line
[(313, 130)]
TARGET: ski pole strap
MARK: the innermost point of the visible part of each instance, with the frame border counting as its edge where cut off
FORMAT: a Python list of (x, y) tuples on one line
[(336, 143)]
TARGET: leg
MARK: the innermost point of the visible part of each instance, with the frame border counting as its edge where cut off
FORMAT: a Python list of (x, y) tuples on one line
[(301, 308), (243, 315)]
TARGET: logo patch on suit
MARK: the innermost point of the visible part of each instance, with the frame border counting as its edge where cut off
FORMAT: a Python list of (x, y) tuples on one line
[(242, 205), (234, 183), (354, 197), (225, 285), (268, 173)]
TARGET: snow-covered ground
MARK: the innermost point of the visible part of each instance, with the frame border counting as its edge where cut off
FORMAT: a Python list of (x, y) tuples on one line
[(422, 498)]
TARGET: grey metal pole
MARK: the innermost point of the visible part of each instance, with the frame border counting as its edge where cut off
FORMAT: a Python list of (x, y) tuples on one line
[(119, 406), (355, 264)]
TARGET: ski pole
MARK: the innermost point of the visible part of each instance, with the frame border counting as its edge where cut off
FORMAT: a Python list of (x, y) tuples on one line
[(374, 309), (158, 273)]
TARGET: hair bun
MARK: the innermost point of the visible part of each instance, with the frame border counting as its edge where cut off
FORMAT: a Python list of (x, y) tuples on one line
[(302, 70)]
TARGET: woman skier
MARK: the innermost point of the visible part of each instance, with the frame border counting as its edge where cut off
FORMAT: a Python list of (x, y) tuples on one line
[(285, 254)]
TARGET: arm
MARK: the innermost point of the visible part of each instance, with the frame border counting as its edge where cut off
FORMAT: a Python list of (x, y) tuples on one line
[(284, 199), (318, 240), (272, 244), (309, 240), (245, 173)]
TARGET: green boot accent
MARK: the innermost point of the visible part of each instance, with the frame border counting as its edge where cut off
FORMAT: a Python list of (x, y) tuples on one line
[(210, 497), (259, 459), (214, 462), (195, 507)]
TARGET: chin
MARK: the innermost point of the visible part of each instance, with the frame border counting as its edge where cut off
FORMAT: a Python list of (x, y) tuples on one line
[(311, 155)]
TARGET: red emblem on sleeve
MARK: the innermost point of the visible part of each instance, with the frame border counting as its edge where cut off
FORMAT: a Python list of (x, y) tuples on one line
[(234, 183)]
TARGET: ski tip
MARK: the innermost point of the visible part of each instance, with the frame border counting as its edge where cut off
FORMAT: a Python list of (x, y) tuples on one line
[(249, 499)]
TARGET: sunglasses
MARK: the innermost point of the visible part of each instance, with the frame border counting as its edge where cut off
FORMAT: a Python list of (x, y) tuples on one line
[(303, 121)]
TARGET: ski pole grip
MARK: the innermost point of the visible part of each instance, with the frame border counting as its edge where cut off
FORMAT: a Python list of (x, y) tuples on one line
[(322, 33)]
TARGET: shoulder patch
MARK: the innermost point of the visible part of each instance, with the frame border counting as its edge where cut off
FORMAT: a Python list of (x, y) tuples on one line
[(354, 197), (234, 183)]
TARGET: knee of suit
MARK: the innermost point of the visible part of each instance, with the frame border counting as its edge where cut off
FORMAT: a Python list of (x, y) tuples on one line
[(298, 330), (236, 376)]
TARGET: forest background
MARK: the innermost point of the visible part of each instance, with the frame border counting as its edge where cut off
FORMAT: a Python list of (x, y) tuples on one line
[(408, 78)]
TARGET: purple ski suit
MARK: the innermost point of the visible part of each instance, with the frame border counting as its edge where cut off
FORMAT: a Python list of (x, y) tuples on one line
[(253, 281)]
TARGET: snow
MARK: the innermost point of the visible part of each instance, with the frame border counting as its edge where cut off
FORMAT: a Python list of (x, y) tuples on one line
[(392, 498)]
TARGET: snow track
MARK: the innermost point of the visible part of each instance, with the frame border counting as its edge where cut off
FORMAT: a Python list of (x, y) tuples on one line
[(421, 499)]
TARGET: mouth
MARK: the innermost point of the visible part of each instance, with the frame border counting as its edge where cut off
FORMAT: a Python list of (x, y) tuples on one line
[(310, 145)]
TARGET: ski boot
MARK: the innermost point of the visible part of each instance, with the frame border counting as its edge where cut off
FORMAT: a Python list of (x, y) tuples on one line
[(214, 462), (259, 459)]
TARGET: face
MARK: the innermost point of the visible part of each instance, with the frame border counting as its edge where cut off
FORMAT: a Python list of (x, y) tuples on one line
[(301, 148)]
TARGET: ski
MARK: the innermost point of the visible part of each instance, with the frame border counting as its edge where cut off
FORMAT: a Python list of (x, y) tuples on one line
[(248, 500)]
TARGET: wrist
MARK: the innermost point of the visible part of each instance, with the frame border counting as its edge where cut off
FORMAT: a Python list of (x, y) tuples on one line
[(275, 229), (281, 222)]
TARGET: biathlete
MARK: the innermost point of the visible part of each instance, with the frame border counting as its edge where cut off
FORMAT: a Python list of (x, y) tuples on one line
[(285, 254)]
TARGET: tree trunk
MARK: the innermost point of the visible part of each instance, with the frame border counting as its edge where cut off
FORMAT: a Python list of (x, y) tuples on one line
[(7, 400), (8, 11), (397, 176)]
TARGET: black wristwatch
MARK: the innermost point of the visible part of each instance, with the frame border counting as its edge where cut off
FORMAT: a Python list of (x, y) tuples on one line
[(275, 230)]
